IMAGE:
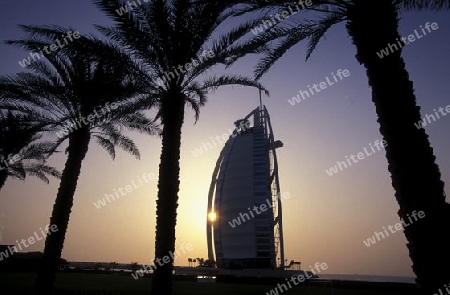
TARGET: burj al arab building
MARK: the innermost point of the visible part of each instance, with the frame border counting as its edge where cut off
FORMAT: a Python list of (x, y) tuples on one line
[(246, 176)]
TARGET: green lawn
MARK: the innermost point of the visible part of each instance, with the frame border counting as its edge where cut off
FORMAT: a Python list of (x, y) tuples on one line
[(76, 281)]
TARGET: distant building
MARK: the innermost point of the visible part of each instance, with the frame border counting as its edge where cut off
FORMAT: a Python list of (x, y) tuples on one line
[(246, 177)]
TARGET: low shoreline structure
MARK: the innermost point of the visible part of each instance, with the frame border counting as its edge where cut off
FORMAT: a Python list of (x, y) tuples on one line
[(327, 284), (91, 282)]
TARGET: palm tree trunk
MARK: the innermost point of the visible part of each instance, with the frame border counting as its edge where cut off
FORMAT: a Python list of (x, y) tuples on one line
[(54, 243), (168, 186), (3, 177), (416, 178)]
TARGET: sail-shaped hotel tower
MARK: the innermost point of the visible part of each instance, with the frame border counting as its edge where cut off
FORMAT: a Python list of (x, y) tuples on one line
[(240, 233)]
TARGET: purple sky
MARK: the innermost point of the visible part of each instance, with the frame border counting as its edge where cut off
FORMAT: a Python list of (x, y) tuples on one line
[(327, 219)]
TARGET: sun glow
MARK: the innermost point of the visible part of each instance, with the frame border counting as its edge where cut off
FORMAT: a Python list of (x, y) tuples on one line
[(212, 216)]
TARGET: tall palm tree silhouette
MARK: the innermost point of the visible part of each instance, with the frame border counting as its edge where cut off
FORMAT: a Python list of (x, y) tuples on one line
[(174, 42), (87, 90), (373, 26)]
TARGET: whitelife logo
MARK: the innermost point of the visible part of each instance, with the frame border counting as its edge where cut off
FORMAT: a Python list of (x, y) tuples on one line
[(265, 24), (31, 240), (243, 125), (166, 259), (5, 162), (70, 127), (34, 56), (391, 48), (442, 293), (132, 4), (398, 226), (297, 279), (322, 85), (361, 156), (181, 69), (423, 122), (263, 207), (128, 189)]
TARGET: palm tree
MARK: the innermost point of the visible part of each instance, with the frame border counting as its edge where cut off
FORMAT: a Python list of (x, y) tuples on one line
[(173, 40), (113, 265), (209, 263), (373, 25), (87, 90), (20, 153), (190, 262)]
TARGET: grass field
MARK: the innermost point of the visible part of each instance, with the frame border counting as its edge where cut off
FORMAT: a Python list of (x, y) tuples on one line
[(21, 283)]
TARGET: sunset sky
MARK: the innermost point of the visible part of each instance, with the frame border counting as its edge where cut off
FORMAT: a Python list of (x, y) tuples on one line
[(327, 217)]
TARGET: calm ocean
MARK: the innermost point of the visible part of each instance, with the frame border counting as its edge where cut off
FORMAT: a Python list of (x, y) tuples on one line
[(368, 278)]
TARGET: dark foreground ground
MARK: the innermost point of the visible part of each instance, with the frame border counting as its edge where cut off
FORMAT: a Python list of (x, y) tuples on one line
[(103, 284)]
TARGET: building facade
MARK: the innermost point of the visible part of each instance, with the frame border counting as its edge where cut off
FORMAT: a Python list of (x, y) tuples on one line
[(244, 223)]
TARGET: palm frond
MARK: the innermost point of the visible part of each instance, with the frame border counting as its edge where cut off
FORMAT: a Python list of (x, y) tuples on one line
[(128, 145), (223, 48), (107, 145), (16, 172), (39, 150), (65, 91), (317, 31), (415, 5), (287, 38), (41, 171), (215, 82)]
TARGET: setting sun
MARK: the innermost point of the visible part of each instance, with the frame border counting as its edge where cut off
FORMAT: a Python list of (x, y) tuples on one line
[(122, 123), (212, 216)]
